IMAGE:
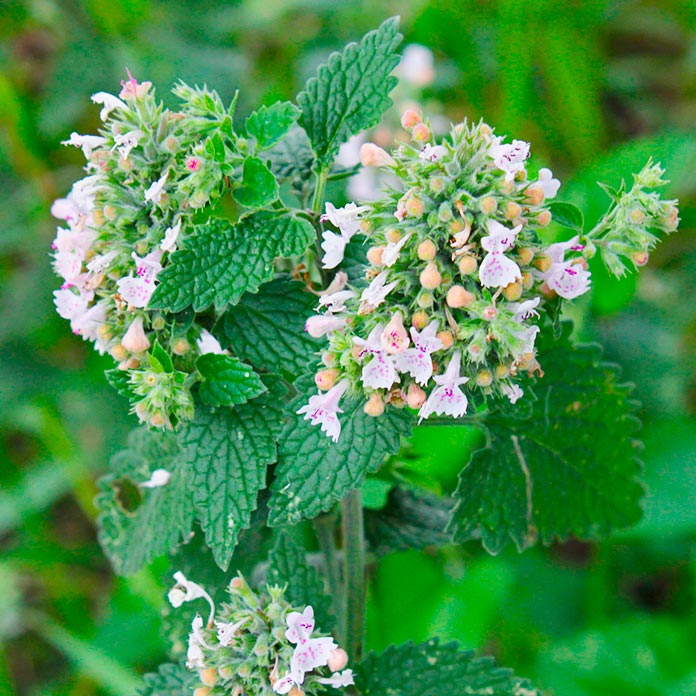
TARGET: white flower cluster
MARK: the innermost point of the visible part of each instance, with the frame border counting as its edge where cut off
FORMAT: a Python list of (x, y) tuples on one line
[(457, 276), (256, 644)]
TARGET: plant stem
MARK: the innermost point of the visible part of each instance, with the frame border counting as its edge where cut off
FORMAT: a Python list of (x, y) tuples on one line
[(318, 199), (324, 526), (354, 549)]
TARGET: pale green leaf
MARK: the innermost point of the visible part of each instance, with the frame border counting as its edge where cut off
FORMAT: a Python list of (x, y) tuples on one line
[(269, 124), (259, 187), (226, 380)]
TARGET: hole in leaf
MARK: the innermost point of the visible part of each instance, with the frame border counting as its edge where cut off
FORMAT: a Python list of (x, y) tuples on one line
[(128, 495)]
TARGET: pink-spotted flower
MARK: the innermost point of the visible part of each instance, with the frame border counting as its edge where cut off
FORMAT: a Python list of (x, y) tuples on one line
[(432, 153), (496, 269), (323, 410), (171, 234), (338, 679), (524, 310), (417, 361), (125, 142), (394, 338), (137, 290), (513, 392), (380, 372), (510, 157), (447, 398), (568, 279)]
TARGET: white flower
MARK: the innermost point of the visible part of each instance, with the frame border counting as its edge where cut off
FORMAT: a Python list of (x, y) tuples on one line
[(300, 625), (375, 293), (68, 265), (102, 261), (568, 279), (186, 591), (334, 246), (194, 655), (548, 184), (447, 398), (336, 301), (87, 324), (391, 251), (71, 305), (347, 219), (524, 310), (417, 66), (156, 190), (527, 337), (159, 478), (339, 679), (126, 142), (109, 103), (135, 339), (513, 392), (417, 361), (432, 153), (509, 157), (171, 234), (496, 269), (88, 143), (339, 282), (318, 326), (135, 291), (207, 343), (323, 410), (380, 372), (227, 631)]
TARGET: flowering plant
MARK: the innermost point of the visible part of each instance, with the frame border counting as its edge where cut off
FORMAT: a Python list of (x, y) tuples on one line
[(201, 253)]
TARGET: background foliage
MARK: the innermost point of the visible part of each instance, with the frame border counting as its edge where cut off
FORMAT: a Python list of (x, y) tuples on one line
[(596, 87)]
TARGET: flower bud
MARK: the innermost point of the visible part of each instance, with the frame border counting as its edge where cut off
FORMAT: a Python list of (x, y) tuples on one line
[(425, 300), (374, 255), (296, 691), (394, 338), (512, 210), (526, 255), (446, 338), (420, 133), (420, 319), (427, 250), (392, 235), (409, 119), (104, 332), (640, 258), (444, 212), (396, 398), (467, 264), (158, 323), (490, 313), (414, 206), (209, 676), (193, 164), (488, 205), (338, 659), (485, 130), (372, 155), (637, 216), (502, 371), (671, 219), (430, 277), (119, 353), (325, 379), (458, 297), (374, 406), (329, 359), (110, 213), (181, 346), (513, 292), (527, 280), (534, 195), (484, 378), (456, 227), (544, 218), (415, 397), (201, 691), (437, 184), (135, 340), (543, 262)]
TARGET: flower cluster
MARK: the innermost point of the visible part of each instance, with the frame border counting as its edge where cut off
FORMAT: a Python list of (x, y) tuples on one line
[(457, 278), (148, 171), (257, 644)]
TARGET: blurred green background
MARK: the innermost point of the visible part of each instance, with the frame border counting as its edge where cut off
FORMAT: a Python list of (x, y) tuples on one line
[(597, 87)]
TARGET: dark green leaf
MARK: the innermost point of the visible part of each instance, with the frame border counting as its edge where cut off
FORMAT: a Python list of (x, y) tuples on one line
[(270, 123), (570, 469), (226, 380), (292, 158), (431, 669), (313, 472), (567, 215), (221, 262), (120, 381), (259, 187), (138, 524), (267, 328), (351, 91), (162, 358), (171, 679)]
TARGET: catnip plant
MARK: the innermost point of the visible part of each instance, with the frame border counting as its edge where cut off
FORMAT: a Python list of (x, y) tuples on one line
[(278, 347)]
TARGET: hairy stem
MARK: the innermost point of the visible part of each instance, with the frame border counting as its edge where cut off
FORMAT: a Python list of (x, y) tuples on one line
[(324, 526), (354, 549), (318, 199)]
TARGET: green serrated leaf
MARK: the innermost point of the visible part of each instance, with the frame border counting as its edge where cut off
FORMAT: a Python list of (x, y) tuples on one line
[(228, 452), (120, 381), (570, 469), (270, 124), (567, 215), (351, 91), (139, 524), (259, 187), (162, 359), (313, 472), (267, 328), (220, 262), (411, 519), (432, 669), (171, 679), (288, 566), (226, 380)]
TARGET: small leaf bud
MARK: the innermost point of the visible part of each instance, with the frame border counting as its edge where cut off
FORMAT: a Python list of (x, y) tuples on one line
[(415, 397), (513, 292), (374, 406), (409, 119), (325, 379), (446, 338), (430, 277), (427, 250), (467, 264), (420, 133), (512, 210), (458, 297), (420, 319), (374, 255), (484, 378), (488, 205), (544, 218)]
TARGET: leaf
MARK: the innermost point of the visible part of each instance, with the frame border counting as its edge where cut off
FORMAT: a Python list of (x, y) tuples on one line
[(269, 124), (570, 469), (288, 566), (431, 669), (411, 519), (226, 380), (313, 472), (151, 521), (259, 187), (350, 92), (221, 262), (120, 381), (228, 452), (567, 215), (171, 679), (267, 328), (292, 158)]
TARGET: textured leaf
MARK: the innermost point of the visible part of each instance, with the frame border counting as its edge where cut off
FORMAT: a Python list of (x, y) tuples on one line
[(313, 472), (171, 679), (351, 91), (139, 524), (259, 187), (267, 328), (226, 380), (228, 452), (411, 519), (288, 566), (571, 469), (567, 215), (292, 158), (270, 123), (431, 669), (221, 262)]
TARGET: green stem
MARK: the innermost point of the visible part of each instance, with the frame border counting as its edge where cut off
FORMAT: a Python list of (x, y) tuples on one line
[(324, 526), (318, 199), (354, 549)]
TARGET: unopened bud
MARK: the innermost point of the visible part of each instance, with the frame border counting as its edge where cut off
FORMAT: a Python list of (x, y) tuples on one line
[(329, 359), (110, 213), (640, 258), (425, 300), (485, 130), (374, 406), (544, 218), (372, 155), (157, 420), (512, 210), (456, 227), (488, 205), (392, 235), (444, 212), (458, 297), (534, 195), (437, 184), (226, 671), (374, 255), (446, 338), (484, 378), (104, 332), (513, 292), (296, 691), (396, 398), (119, 353), (420, 319), (430, 277), (181, 346), (502, 371), (201, 691), (325, 379), (543, 262), (671, 219), (527, 280), (209, 676), (135, 340), (158, 323), (409, 119), (414, 206), (467, 264), (420, 133), (490, 313), (415, 397), (427, 250), (526, 255), (637, 216)]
